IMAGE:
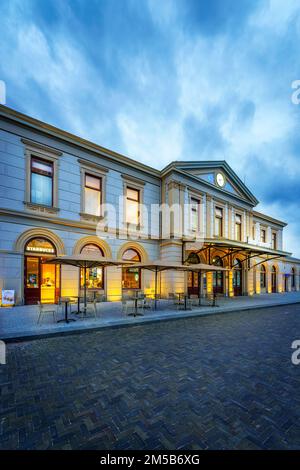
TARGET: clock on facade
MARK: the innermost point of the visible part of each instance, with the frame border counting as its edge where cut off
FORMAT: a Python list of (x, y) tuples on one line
[(220, 179)]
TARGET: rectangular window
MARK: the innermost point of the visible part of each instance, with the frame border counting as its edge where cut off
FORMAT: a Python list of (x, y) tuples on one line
[(238, 227), (132, 205), (194, 215), (41, 188), (218, 222), (253, 232), (263, 235), (274, 240), (92, 195)]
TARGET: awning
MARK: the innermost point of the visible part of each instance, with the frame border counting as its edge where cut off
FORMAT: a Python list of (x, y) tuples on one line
[(232, 247)]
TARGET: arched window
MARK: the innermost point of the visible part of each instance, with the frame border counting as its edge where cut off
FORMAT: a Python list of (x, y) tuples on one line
[(131, 277), (263, 277), (293, 275), (94, 276)]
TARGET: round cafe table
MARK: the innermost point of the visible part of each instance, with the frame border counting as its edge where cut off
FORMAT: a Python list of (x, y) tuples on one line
[(66, 301)]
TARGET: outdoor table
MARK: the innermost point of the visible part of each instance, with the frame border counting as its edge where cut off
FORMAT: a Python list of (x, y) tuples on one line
[(66, 319), (180, 295), (135, 313)]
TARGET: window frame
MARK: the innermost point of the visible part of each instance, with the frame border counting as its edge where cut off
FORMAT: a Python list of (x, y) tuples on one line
[(263, 239), (221, 218), (135, 184), (35, 171), (94, 189), (96, 171), (274, 240), (240, 225), (197, 202), (35, 150)]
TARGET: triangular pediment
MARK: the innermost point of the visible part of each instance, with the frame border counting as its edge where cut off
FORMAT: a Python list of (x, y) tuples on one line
[(220, 175)]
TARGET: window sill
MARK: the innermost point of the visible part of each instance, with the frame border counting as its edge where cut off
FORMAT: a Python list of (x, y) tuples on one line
[(41, 208), (90, 217)]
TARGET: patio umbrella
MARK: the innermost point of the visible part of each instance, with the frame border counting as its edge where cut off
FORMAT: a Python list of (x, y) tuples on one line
[(86, 261), (159, 266)]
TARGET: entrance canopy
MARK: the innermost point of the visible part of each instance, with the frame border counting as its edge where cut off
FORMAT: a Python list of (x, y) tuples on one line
[(231, 248)]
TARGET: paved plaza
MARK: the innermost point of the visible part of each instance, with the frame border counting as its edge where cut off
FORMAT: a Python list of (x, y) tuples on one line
[(214, 382), (21, 322)]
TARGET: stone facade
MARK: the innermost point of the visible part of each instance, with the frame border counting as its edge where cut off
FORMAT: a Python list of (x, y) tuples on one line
[(69, 228)]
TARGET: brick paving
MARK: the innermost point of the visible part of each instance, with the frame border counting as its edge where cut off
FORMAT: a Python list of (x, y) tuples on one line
[(219, 382)]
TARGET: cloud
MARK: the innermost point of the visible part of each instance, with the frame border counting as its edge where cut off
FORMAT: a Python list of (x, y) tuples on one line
[(161, 81)]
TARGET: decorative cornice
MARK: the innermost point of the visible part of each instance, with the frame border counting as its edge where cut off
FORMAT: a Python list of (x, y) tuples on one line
[(45, 148)]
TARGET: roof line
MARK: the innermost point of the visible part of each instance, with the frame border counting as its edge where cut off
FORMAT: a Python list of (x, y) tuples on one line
[(60, 134)]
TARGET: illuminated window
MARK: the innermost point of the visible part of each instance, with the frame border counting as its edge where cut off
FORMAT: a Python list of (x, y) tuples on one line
[(238, 227), (92, 195), (132, 205), (194, 215), (131, 277), (41, 188), (218, 222), (94, 276)]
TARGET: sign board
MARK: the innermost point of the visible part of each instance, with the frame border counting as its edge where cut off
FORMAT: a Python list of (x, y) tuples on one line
[(8, 298)]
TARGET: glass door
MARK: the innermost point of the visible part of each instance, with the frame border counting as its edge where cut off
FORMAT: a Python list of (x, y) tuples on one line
[(193, 285), (32, 280)]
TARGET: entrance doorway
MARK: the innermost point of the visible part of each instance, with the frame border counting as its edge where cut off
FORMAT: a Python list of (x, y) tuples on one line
[(274, 279), (41, 280), (237, 278), (193, 283), (218, 276)]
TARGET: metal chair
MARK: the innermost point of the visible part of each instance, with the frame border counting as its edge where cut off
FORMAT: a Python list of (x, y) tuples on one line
[(44, 309)]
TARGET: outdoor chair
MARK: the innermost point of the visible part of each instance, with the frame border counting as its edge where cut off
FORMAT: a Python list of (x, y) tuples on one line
[(194, 299), (46, 309), (180, 304), (173, 298), (91, 308)]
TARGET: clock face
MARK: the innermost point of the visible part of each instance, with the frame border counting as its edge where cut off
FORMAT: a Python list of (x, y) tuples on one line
[(220, 180)]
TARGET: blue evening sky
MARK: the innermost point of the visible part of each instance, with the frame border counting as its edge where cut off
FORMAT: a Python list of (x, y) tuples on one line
[(162, 80)]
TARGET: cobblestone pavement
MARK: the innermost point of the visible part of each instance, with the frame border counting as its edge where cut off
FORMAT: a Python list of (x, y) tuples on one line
[(218, 382)]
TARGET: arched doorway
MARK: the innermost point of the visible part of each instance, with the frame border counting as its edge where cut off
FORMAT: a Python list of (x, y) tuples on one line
[(263, 279), (218, 276), (274, 279), (193, 277), (286, 282), (237, 277), (94, 276), (131, 277), (41, 280)]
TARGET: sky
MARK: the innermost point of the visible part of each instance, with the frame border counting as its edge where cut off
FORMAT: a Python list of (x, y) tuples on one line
[(163, 80)]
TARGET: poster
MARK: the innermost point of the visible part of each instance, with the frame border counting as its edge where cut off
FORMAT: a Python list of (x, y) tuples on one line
[(8, 298)]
